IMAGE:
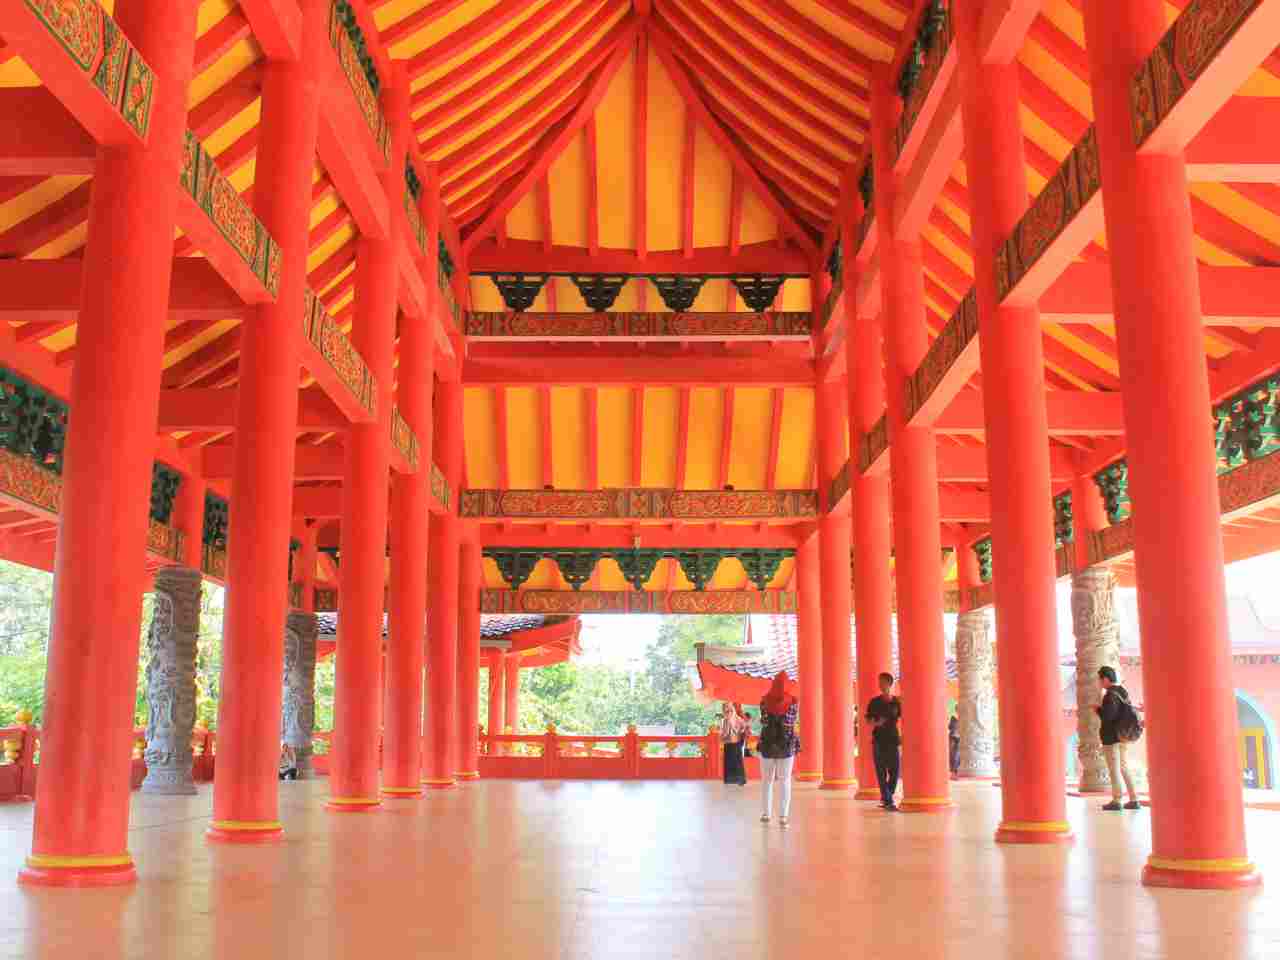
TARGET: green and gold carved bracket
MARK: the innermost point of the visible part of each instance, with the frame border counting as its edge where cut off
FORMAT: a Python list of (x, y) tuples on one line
[(960, 331), (324, 333), (404, 439), (366, 99)]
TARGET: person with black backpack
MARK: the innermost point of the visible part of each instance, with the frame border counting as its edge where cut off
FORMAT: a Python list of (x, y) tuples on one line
[(1120, 726), (779, 743)]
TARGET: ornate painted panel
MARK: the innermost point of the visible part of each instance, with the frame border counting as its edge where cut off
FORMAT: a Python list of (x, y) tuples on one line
[(440, 488), (213, 562), (415, 220), (164, 541), (629, 601), (1062, 561), (929, 60), (960, 331), (1111, 542), (214, 194), (403, 438), (983, 596), (1249, 485), (1182, 55), (600, 325), (839, 486), (26, 481), (326, 600), (641, 504), (872, 444), (366, 99), (99, 48), (446, 293), (295, 595), (327, 337), (1066, 193)]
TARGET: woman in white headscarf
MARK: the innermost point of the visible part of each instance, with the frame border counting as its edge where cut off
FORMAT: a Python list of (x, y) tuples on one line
[(732, 727)]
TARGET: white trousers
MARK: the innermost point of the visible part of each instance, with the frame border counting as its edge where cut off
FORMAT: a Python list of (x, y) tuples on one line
[(771, 770), (1118, 768)]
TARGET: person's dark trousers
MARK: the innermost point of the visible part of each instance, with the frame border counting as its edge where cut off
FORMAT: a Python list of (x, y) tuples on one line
[(887, 758)]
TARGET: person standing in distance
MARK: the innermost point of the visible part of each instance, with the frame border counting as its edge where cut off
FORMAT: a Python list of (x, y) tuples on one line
[(883, 713)]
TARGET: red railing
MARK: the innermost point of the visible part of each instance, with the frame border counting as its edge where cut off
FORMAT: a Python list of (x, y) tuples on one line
[(553, 756)]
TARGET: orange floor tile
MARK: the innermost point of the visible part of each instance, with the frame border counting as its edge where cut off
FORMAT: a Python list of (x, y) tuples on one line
[(605, 870)]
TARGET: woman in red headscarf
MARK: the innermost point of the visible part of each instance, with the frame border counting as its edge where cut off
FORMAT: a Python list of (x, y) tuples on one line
[(778, 745)]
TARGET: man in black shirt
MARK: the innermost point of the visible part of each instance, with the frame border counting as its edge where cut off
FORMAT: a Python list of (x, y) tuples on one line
[(883, 713), (1115, 701)]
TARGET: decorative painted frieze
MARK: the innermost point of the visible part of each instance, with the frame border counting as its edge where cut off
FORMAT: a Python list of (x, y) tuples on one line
[(960, 331), (1068, 190), (440, 488), (165, 482), (1111, 543), (446, 292), (983, 596), (24, 480), (404, 439), (641, 504), (923, 64), (872, 444), (416, 226), (213, 562), (1062, 561), (1249, 486), (356, 64), (593, 326), (100, 50), (327, 337), (839, 486), (326, 600), (628, 601), (164, 541), (1196, 37)]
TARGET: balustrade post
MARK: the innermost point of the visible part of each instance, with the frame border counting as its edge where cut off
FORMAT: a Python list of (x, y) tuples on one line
[(550, 753), (81, 823)]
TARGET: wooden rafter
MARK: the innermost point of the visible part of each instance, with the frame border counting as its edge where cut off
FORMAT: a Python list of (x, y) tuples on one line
[(500, 435), (687, 199), (787, 221), (592, 174), (477, 30), (548, 446), (591, 449), (641, 162), (637, 436), (726, 439), (682, 439), (596, 86), (775, 441)]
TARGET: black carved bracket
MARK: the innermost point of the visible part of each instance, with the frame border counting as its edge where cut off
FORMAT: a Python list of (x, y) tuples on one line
[(761, 565), (516, 566), (164, 487), (519, 290), (599, 290), (678, 291), (637, 566), (576, 566), (215, 521), (759, 290)]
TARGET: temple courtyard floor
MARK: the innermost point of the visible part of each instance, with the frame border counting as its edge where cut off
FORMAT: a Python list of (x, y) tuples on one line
[(659, 869)]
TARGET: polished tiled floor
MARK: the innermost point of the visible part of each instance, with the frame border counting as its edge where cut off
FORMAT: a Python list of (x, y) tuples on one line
[(604, 870)]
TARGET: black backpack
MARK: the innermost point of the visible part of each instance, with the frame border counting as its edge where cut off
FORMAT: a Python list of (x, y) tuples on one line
[(1129, 725)]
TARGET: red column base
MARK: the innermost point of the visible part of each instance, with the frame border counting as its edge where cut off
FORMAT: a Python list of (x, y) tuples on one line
[(439, 784), (1034, 831), (244, 831), (926, 804), (809, 777), (53, 871), (401, 793), (352, 804), (838, 784), (1230, 873), (868, 793), (467, 775)]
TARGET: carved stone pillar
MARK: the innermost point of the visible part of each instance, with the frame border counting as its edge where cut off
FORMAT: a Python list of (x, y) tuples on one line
[(171, 681), (1093, 618), (298, 716), (975, 667)]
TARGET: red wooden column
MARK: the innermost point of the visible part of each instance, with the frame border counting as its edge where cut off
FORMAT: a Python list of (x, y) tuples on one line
[(245, 785), (917, 534), (469, 575), (188, 516), (1033, 777), (872, 584), (358, 691), (809, 655), (442, 606), (834, 551), (1197, 815), (512, 720), (497, 693), (82, 795), (304, 567), (410, 505), (1088, 514)]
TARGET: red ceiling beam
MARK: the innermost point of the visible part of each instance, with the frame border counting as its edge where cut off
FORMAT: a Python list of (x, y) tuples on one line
[(548, 447), (682, 439), (39, 138), (591, 449), (687, 198), (1228, 148), (543, 189), (418, 20), (277, 26), (210, 409), (775, 441), (726, 439), (500, 432), (311, 462), (1078, 412), (787, 221), (606, 367), (593, 187), (640, 116), (476, 30), (855, 63), (637, 436), (619, 45), (219, 39)]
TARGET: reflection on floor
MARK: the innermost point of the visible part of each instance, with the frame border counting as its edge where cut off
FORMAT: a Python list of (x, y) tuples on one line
[(616, 870)]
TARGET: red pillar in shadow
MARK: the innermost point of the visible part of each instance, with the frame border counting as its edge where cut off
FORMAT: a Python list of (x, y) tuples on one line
[(872, 583), (1197, 809), (512, 720), (497, 692), (809, 655), (469, 573), (81, 826), (442, 606), (188, 516), (245, 782), (834, 550), (917, 534), (410, 506), (1032, 775)]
